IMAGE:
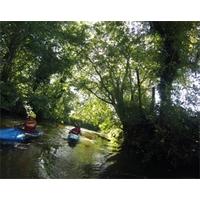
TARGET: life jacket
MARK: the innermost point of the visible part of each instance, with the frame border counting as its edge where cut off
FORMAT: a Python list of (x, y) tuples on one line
[(75, 130)]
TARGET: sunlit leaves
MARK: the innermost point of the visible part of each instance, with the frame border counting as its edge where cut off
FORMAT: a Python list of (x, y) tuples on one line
[(96, 112)]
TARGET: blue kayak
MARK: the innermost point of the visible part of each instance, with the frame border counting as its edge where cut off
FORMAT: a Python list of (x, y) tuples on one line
[(17, 134), (74, 138)]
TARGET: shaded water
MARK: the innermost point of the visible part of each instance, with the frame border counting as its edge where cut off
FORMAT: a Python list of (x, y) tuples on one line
[(50, 156)]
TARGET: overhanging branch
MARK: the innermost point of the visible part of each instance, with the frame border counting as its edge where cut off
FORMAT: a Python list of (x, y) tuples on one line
[(95, 94)]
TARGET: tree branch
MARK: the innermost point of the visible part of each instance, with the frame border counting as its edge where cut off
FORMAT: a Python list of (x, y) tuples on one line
[(95, 94), (110, 95)]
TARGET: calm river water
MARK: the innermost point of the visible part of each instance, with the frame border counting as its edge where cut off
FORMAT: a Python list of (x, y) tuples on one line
[(50, 156)]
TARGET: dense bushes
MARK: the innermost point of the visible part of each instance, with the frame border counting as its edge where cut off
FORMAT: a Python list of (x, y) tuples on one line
[(166, 148)]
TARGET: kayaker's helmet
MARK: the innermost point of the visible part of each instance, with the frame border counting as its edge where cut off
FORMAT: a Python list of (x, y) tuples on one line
[(32, 115)]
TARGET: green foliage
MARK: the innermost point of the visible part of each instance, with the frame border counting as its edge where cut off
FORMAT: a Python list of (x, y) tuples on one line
[(52, 101), (59, 67), (30, 53), (97, 113), (180, 46), (118, 68), (180, 137), (9, 96), (115, 135)]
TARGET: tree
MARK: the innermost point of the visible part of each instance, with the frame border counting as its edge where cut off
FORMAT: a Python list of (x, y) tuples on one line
[(176, 50), (97, 113), (117, 67), (31, 52)]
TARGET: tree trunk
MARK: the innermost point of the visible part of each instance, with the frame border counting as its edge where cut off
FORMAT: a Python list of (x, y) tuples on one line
[(153, 99), (170, 61), (139, 89), (165, 87)]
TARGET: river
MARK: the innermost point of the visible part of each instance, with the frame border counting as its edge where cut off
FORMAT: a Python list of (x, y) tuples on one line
[(50, 156)]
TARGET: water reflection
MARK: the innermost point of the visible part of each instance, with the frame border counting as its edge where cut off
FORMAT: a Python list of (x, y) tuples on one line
[(51, 157)]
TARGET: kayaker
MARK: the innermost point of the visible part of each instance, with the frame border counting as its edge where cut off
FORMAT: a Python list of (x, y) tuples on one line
[(76, 130), (30, 123)]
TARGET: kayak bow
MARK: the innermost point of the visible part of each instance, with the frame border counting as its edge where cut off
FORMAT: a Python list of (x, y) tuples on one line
[(17, 134)]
